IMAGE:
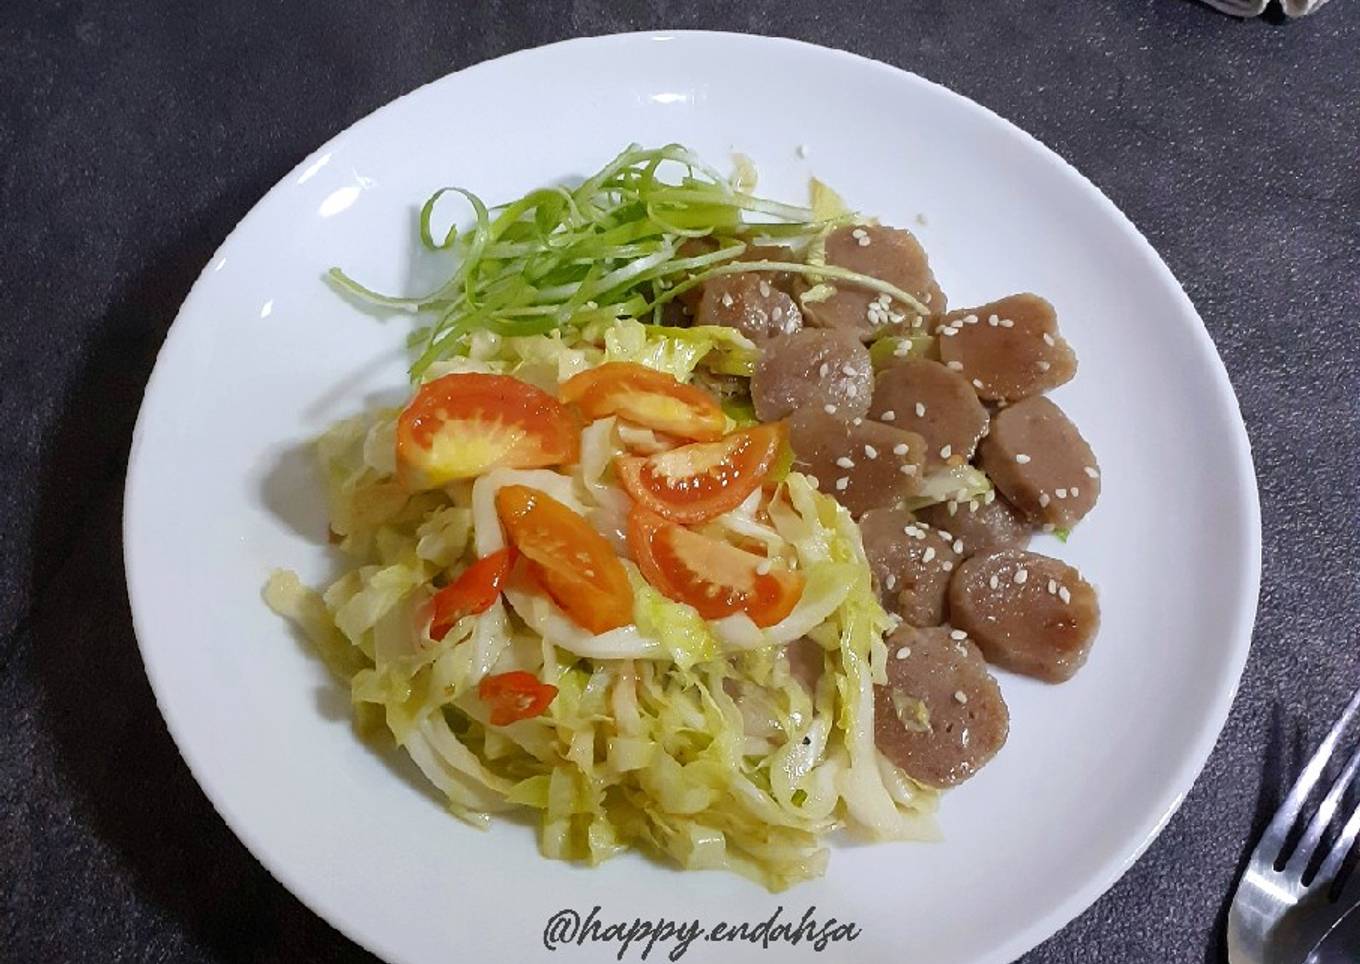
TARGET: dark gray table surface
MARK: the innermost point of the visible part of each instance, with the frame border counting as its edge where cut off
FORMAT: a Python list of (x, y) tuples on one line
[(133, 136)]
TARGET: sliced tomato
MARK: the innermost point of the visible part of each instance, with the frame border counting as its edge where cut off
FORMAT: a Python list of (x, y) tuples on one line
[(462, 425), (571, 560), (694, 483), (648, 397), (475, 589), (515, 696), (715, 578)]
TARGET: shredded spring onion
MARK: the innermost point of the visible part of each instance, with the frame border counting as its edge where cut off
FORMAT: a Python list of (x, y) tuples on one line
[(614, 247)]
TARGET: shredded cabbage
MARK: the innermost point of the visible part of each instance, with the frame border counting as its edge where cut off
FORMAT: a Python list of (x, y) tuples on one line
[(685, 738)]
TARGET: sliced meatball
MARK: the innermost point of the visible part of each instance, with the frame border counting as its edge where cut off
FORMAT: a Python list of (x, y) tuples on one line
[(807, 661), (941, 717), (825, 370), (979, 525), (1040, 462), (888, 254), (1008, 349), (1028, 613), (936, 403), (864, 466), (749, 303), (911, 564)]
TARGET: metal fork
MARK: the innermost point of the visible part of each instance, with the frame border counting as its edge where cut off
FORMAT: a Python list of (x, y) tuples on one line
[(1279, 915)]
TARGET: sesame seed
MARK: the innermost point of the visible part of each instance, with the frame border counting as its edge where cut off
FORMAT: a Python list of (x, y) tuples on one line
[(900, 448), (851, 390), (907, 468), (1043, 366), (864, 241), (763, 567), (1075, 491), (927, 298), (870, 452), (1043, 499), (918, 322), (1060, 493), (856, 421), (885, 300), (1048, 340), (824, 369), (952, 506), (948, 332), (1064, 595), (891, 581), (920, 409), (841, 483), (955, 365), (829, 409), (977, 383), (1020, 576), (957, 546), (845, 462), (801, 150), (889, 416), (1007, 323), (960, 697), (902, 350), (727, 300), (970, 319), (1052, 587), (944, 535), (994, 582), (957, 634), (914, 531), (777, 314), (1092, 472), (945, 451), (764, 289), (848, 370), (904, 652), (1022, 458), (947, 566), (857, 233), (993, 320), (972, 505), (929, 554)]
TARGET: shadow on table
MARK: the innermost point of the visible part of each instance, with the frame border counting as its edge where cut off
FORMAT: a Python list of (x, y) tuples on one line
[(1286, 749), (129, 782)]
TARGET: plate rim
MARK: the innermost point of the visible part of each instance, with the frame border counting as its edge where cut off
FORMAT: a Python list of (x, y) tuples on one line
[(1237, 636)]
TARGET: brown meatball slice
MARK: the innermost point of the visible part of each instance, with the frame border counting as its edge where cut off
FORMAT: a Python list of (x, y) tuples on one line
[(1040, 462), (824, 370), (1029, 613), (1008, 349), (862, 466), (888, 254), (911, 564), (941, 717), (807, 661), (925, 397), (749, 303), (979, 525)]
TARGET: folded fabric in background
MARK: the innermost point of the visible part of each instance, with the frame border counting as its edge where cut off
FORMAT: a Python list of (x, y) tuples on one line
[(1254, 8)]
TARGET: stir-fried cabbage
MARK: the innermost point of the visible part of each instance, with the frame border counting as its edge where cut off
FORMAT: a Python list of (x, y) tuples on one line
[(684, 738)]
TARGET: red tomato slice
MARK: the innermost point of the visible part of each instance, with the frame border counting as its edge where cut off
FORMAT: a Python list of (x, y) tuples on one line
[(648, 397), (515, 696), (574, 563), (462, 425), (694, 483), (715, 578), (475, 589)]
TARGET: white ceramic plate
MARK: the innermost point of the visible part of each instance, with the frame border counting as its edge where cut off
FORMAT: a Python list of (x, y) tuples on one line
[(264, 355)]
